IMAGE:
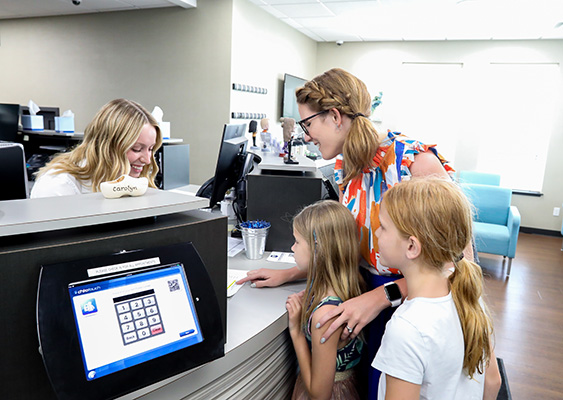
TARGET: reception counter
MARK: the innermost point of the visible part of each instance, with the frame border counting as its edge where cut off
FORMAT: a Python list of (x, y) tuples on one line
[(259, 361)]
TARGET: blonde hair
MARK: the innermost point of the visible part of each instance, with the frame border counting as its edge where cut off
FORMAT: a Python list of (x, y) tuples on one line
[(439, 215), (102, 155), (332, 235), (339, 89)]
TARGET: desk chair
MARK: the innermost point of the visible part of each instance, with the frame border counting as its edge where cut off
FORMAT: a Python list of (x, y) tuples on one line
[(13, 174)]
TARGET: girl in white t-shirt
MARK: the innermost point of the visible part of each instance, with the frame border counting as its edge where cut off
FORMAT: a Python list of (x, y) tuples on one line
[(437, 345)]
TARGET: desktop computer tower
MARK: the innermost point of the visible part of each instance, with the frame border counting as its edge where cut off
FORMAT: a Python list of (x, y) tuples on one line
[(173, 166), (276, 196)]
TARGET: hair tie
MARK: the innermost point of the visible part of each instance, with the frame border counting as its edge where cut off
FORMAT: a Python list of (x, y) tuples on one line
[(358, 115), (459, 258)]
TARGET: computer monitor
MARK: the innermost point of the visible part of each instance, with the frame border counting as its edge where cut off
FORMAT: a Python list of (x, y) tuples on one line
[(229, 162), (233, 165), (13, 173), (9, 116), (48, 113)]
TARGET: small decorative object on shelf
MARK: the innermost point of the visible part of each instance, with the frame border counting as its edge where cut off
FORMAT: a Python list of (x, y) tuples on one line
[(249, 88), (374, 104), (376, 101), (245, 115)]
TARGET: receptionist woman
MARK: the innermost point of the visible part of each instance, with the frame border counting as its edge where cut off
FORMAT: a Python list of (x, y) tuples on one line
[(121, 139)]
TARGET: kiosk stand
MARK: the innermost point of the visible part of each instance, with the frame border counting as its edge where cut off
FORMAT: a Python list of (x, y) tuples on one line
[(113, 324)]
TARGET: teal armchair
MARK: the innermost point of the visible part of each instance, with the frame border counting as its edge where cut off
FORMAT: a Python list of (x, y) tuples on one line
[(483, 178), (497, 222)]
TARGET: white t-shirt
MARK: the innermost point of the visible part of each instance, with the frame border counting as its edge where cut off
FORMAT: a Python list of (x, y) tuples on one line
[(423, 344), (63, 184)]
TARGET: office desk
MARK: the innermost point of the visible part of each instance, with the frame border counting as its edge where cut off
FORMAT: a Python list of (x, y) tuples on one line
[(259, 359), (48, 142), (48, 133)]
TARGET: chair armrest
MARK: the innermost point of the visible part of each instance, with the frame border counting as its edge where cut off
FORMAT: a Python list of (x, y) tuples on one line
[(513, 228)]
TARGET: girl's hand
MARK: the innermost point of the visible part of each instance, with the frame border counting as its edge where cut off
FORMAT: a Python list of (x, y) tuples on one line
[(265, 277), (294, 304)]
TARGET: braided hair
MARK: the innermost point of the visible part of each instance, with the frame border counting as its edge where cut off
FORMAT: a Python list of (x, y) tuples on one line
[(341, 90)]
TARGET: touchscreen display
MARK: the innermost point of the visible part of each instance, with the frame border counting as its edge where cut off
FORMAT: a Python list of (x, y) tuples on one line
[(124, 320)]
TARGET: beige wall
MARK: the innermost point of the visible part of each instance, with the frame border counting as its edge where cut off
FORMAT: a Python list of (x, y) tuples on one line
[(175, 58), (376, 62)]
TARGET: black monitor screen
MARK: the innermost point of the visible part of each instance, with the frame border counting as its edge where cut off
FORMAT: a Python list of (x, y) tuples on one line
[(13, 173), (9, 116), (289, 101), (138, 317), (229, 161)]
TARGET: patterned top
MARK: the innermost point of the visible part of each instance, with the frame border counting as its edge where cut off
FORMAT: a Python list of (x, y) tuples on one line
[(362, 195), (348, 356)]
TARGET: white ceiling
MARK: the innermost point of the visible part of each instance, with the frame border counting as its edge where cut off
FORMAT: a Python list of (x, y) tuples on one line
[(377, 20), (361, 20), (44, 8)]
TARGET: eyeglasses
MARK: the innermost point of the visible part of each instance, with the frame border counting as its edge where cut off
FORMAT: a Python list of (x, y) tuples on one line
[(303, 121)]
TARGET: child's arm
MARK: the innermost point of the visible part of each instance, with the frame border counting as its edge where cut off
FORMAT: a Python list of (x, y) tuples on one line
[(322, 367), (493, 380), (265, 277), (398, 389), (318, 365)]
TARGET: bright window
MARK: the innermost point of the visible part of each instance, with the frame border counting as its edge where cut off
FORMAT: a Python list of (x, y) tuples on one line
[(518, 114)]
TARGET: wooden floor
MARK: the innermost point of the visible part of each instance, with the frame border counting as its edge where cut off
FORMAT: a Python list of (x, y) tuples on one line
[(527, 310)]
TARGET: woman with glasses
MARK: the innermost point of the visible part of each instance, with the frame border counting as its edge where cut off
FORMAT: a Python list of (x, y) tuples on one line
[(335, 107), (121, 139)]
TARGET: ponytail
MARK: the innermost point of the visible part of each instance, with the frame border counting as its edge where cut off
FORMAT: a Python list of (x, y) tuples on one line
[(466, 285), (360, 147)]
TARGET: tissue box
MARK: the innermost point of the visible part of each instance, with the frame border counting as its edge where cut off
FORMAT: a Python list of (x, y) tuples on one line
[(64, 124), (165, 129), (32, 122)]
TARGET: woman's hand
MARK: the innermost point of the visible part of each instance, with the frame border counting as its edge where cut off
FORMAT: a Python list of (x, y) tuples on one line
[(294, 305), (265, 277), (355, 314)]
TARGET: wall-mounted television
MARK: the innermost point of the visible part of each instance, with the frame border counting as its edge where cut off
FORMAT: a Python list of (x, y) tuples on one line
[(289, 101)]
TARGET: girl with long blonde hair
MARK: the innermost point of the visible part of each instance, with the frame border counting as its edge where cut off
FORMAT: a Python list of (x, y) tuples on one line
[(326, 248), (121, 139), (437, 344)]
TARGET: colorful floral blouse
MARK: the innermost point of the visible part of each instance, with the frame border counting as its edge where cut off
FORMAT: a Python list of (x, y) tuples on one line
[(348, 356), (362, 195)]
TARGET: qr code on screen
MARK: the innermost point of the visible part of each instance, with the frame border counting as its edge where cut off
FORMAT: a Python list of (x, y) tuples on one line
[(173, 285)]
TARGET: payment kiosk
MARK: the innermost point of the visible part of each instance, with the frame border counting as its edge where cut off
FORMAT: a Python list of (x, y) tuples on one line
[(113, 324)]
